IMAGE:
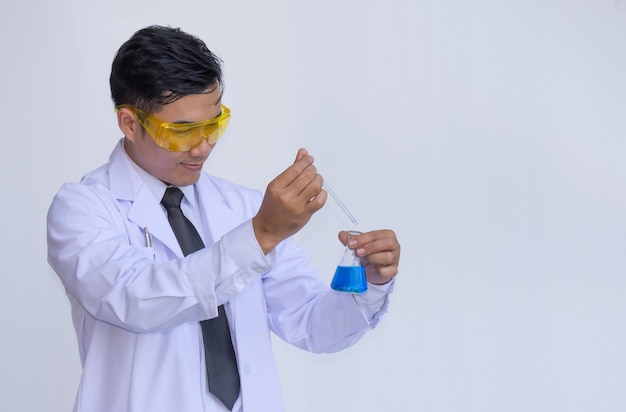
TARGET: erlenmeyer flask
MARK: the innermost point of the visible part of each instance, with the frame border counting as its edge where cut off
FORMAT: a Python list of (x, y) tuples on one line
[(350, 273)]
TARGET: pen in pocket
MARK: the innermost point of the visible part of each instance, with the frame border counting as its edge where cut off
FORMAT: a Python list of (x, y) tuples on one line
[(149, 241)]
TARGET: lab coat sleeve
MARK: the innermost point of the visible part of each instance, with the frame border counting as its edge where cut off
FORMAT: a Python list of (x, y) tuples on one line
[(306, 312), (119, 282)]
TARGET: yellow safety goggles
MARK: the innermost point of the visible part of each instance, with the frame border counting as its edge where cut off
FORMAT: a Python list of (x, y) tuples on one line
[(180, 137)]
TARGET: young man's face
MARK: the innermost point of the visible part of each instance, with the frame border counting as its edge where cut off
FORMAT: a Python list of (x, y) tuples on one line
[(176, 168)]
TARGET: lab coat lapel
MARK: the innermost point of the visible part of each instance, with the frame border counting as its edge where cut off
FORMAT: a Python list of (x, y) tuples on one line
[(219, 217), (145, 210)]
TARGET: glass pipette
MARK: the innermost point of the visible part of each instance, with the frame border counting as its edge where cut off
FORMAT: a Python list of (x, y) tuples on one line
[(339, 203)]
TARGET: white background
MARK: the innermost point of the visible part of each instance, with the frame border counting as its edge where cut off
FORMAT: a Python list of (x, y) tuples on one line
[(489, 134)]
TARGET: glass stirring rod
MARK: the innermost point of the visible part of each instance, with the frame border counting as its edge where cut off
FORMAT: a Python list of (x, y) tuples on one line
[(339, 203)]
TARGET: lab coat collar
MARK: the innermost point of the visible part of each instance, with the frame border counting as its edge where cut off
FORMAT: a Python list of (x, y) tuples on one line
[(127, 185), (145, 211)]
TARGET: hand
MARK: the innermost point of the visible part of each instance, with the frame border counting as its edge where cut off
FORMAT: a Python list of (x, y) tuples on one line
[(289, 202), (380, 253)]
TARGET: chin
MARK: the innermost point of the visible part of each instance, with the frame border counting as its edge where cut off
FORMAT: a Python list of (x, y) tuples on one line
[(186, 181)]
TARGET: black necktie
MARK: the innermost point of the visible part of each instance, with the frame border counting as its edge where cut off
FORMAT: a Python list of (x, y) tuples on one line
[(221, 364)]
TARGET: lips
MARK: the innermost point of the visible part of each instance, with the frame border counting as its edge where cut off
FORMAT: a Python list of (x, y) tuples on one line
[(193, 166)]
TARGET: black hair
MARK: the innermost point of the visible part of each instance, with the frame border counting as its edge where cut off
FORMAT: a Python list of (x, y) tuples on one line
[(159, 65)]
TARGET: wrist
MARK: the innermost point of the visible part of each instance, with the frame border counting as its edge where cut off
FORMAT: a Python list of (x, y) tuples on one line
[(267, 241)]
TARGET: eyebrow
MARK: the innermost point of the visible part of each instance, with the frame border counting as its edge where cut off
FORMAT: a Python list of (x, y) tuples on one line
[(215, 117), (218, 101)]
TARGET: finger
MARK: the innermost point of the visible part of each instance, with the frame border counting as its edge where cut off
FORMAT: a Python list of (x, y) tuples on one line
[(305, 185), (318, 201), (343, 237), (381, 274), (301, 153), (375, 241), (384, 258), (356, 238), (280, 185), (382, 247), (300, 166)]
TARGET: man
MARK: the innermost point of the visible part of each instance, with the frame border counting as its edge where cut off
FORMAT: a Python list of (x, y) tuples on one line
[(144, 297)]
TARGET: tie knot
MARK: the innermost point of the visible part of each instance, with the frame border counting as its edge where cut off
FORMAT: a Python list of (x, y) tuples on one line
[(172, 197)]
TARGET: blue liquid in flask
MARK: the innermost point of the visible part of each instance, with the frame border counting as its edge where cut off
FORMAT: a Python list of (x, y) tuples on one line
[(349, 279)]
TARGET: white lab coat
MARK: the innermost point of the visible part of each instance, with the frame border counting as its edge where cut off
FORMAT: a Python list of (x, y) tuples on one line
[(136, 310)]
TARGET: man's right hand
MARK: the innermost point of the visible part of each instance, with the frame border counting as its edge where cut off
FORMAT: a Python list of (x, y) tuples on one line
[(289, 202)]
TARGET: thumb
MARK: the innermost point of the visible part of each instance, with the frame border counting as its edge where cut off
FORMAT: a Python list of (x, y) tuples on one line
[(301, 153)]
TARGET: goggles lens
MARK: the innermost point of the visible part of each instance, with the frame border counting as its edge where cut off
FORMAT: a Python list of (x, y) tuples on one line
[(180, 137)]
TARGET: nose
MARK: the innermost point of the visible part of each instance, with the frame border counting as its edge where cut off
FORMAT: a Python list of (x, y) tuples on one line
[(202, 149)]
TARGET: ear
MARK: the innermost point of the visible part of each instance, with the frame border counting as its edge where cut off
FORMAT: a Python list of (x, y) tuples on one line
[(129, 124)]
